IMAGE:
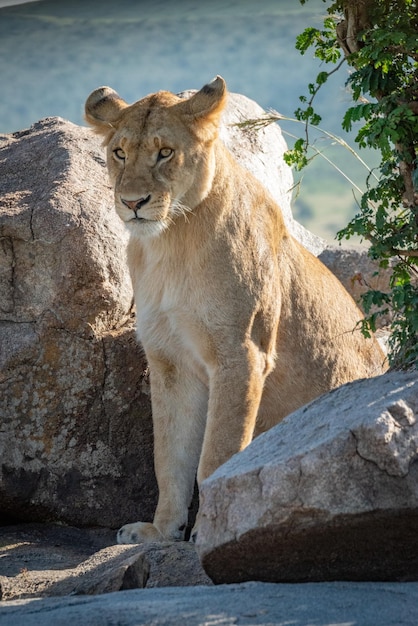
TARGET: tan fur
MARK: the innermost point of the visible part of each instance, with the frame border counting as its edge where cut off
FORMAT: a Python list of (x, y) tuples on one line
[(240, 324)]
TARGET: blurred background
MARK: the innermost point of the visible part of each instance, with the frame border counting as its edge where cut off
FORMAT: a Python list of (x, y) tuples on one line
[(53, 53)]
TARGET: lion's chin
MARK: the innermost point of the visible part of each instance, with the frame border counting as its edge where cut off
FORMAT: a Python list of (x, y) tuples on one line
[(146, 229)]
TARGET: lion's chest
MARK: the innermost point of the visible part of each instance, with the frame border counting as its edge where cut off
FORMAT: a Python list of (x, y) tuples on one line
[(170, 324)]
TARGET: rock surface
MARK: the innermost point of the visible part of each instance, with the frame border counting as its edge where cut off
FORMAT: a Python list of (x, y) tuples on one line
[(262, 604), (75, 419), (357, 272), (44, 560), (331, 493)]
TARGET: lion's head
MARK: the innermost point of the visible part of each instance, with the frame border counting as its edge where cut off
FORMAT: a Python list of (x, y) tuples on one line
[(158, 152)]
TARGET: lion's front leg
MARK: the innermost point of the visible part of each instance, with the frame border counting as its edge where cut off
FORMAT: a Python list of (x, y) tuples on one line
[(179, 407), (236, 388)]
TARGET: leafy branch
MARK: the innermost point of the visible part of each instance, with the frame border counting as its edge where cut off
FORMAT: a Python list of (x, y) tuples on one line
[(378, 40)]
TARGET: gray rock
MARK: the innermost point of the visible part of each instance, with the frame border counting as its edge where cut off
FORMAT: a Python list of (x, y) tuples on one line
[(331, 493), (173, 565), (357, 272), (74, 398), (264, 604), (39, 560)]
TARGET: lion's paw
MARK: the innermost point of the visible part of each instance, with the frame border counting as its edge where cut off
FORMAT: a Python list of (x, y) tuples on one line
[(141, 532)]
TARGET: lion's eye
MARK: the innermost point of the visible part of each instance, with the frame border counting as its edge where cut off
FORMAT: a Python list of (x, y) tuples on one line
[(164, 153), (119, 154)]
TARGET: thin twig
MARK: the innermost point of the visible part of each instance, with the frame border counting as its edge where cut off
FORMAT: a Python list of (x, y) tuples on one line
[(275, 116)]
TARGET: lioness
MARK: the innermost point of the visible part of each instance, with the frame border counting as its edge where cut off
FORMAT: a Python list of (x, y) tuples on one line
[(240, 324)]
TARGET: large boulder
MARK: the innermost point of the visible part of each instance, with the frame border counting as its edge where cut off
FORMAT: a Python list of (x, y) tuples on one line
[(74, 398), (331, 493), (253, 603), (41, 560)]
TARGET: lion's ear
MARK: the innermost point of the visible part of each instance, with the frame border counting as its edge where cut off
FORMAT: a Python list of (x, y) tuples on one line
[(103, 106), (207, 104)]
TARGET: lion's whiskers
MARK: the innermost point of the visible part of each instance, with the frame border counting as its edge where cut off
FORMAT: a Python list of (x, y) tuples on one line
[(178, 208)]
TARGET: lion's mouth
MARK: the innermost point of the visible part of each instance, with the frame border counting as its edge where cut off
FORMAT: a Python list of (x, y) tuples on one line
[(136, 219)]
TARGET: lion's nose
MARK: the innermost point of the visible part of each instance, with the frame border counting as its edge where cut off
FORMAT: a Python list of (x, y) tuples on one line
[(136, 205)]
